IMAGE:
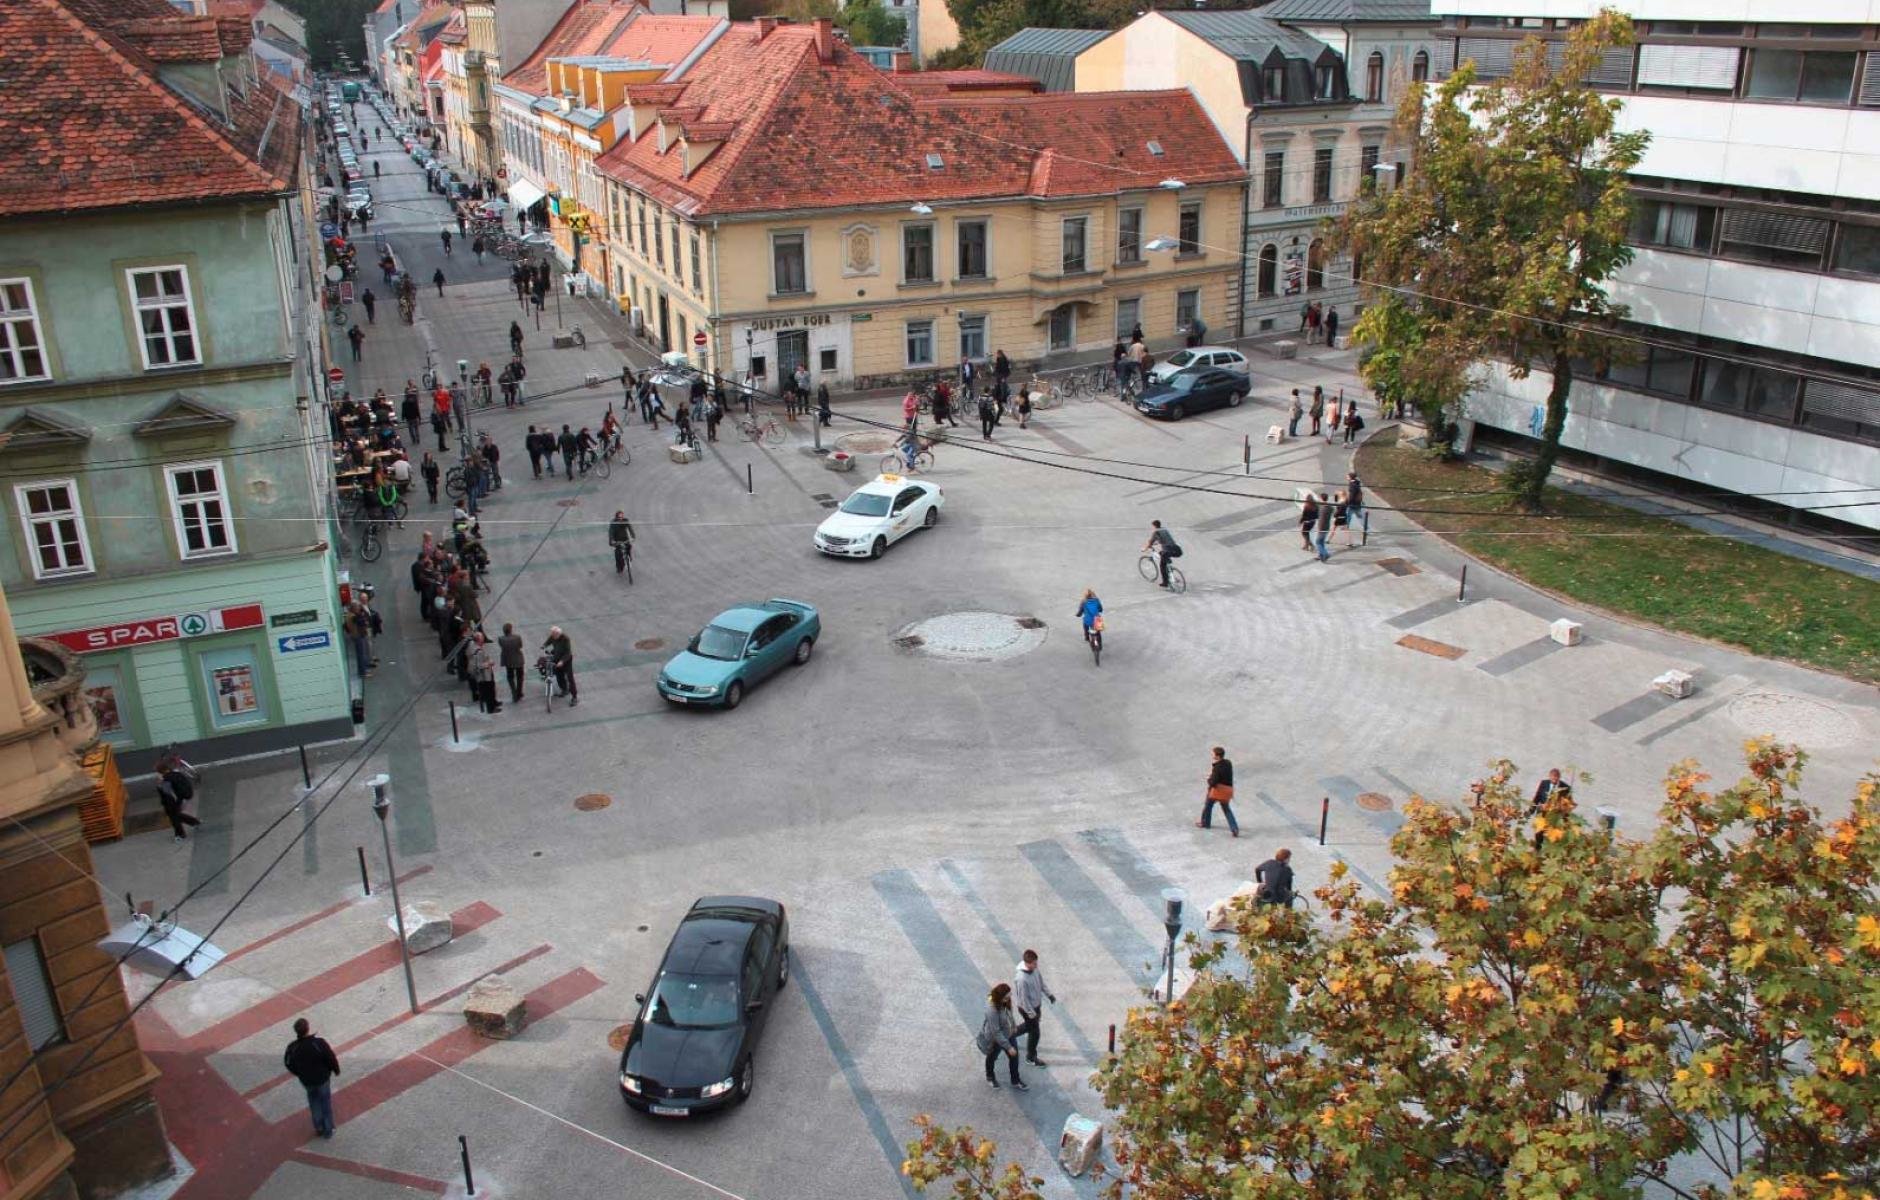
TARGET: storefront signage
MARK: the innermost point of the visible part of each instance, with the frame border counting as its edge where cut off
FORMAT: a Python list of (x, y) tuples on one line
[(305, 616), (804, 320), (313, 639), (149, 630)]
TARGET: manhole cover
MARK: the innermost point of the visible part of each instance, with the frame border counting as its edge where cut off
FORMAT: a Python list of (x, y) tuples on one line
[(1374, 801), (1792, 719), (617, 1037), (567, 504), (592, 802), (973, 636), (649, 643)]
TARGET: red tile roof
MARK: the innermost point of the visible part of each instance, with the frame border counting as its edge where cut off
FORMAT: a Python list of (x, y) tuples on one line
[(613, 29), (174, 38), (970, 79), (781, 99), (87, 125), (453, 33)]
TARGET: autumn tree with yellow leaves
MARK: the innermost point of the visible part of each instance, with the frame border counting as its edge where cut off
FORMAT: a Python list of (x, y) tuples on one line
[(1541, 1008)]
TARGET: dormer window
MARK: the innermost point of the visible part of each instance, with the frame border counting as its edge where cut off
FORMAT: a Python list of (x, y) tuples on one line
[(1327, 83), (1273, 84)]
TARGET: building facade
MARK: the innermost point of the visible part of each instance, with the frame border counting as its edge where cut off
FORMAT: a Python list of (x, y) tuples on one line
[(165, 468), (955, 217), (1755, 289), (1305, 91)]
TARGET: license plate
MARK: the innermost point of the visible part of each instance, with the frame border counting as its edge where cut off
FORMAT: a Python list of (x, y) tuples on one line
[(675, 699), (663, 1111)]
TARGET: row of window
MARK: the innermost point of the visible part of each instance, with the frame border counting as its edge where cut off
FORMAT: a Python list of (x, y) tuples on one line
[(1766, 392), (53, 519), (1797, 241), (1273, 174), (1062, 335), (160, 302), (652, 246)]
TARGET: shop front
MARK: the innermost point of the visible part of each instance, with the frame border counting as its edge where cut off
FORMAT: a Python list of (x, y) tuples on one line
[(770, 349)]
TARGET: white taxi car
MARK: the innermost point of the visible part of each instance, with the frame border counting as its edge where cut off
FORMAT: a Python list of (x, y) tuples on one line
[(885, 509)]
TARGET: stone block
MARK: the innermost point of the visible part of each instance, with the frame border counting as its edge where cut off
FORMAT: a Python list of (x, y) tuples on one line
[(839, 460), (494, 1008), (1675, 684), (1080, 1144), (1220, 915), (1275, 434), (1566, 632), (562, 341), (1286, 348), (682, 454), (427, 925)]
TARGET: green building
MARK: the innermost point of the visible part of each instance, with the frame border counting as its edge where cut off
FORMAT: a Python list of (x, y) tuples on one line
[(163, 452)]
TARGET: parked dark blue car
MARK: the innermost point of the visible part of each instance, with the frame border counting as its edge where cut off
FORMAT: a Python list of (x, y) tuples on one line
[(1193, 392)]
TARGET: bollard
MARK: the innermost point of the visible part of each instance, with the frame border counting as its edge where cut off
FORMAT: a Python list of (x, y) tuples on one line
[(1462, 587), (453, 721), (750, 486), (1366, 540), (1246, 453), (1325, 816), (469, 1180), (306, 774), (365, 880)]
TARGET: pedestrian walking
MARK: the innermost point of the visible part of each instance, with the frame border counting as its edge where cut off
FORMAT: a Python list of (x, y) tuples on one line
[(969, 374), (371, 303), (310, 1060), (1353, 422), (560, 651), (437, 277), (1318, 409), (531, 442), (358, 629), (567, 443), (1220, 791), (410, 411), (428, 469), (445, 234), (483, 668), (357, 337), (988, 415), (1024, 407), (1323, 530), (1029, 992), (714, 412), (515, 339), (509, 650), (1308, 519), (1331, 326), (997, 1036), (1275, 879), (1335, 417), (375, 168), (822, 404), (477, 246), (174, 790)]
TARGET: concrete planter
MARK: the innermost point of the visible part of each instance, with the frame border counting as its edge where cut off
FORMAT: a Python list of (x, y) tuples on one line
[(839, 460)]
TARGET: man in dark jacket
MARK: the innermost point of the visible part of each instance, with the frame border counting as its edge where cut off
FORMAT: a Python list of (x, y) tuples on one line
[(532, 442), (1275, 877), (561, 660), (1220, 791), (568, 444), (509, 648), (310, 1060)]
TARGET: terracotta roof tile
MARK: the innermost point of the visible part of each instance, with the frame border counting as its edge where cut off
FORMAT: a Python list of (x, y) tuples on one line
[(85, 123), (779, 94), (173, 38), (234, 33), (971, 79)]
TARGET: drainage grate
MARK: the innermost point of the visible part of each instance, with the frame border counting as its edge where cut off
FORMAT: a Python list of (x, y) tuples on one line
[(1374, 801), (1030, 623), (912, 641), (1399, 566), (592, 802), (649, 644), (1423, 645)]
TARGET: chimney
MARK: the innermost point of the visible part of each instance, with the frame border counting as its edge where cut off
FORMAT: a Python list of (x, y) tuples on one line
[(764, 26), (825, 39), (903, 62)]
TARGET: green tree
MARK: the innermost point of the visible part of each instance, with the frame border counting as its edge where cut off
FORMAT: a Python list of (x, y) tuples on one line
[(334, 26), (869, 24), (1505, 233), (1540, 1008), (985, 23)]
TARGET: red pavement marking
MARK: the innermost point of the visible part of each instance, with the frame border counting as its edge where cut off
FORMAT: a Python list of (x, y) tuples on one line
[(279, 1008), (354, 1043), (417, 1183), (235, 1152), (322, 915)]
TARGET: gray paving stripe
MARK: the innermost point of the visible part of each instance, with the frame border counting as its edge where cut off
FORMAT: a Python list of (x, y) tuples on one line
[(1134, 953), (1696, 715), (1633, 711), (1310, 833), (965, 988), (1369, 577), (1520, 656), (1127, 863), (1069, 444), (1233, 518), (1424, 613), (1344, 790)]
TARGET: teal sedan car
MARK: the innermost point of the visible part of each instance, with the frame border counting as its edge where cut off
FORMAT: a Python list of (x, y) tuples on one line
[(738, 650)]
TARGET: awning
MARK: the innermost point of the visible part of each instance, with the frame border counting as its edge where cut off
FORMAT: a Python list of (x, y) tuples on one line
[(524, 194)]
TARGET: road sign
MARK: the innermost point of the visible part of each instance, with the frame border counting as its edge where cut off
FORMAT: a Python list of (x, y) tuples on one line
[(318, 639), (698, 339), (335, 375)]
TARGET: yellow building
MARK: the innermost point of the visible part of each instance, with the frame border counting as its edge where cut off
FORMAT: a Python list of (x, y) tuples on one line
[(947, 217)]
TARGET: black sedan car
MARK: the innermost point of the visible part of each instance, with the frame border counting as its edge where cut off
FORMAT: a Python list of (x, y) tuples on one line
[(693, 1042), (1193, 392)]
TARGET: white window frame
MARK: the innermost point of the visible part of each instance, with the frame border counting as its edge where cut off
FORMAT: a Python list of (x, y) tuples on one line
[(972, 320), (29, 522), (138, 308), (907, 343), (9, 343), (177, 501)]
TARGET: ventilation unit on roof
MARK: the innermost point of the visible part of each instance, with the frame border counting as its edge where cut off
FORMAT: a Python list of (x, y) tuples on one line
[(935, 162), (1155, 148)]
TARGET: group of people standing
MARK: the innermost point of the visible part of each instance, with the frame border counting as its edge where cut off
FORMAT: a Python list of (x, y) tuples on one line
[(1318, 323), (1343, 416), (1319, 515)]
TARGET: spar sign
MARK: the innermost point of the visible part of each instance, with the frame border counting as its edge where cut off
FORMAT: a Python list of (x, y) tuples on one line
[(149, 630)]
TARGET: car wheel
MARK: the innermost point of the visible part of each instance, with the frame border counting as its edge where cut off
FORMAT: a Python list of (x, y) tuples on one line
[(802, 651), (747, 1080), (734, 694), (783, 969), (880, 546), (1234, 399), (931, 519), (1175, 412)]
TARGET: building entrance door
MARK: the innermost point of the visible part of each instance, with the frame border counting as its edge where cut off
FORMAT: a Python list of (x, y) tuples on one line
[(665, 327), (792, 352)]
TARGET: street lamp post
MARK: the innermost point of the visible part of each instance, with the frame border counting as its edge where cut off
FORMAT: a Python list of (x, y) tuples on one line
[(381, 786), (1172, 921)]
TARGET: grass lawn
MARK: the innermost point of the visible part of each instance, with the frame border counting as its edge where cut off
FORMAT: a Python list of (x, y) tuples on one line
[(1660, 571)]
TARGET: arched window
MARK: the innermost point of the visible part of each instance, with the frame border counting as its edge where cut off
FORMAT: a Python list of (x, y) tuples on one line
[(1269, 270), (1374, 78), (1420, 67), (1315, 266)]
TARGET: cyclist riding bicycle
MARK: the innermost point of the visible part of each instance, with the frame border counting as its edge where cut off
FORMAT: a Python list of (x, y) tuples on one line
[(620, 537), (610, 434), (584, 449), (1090, 612), (1164, 546), (909, 446)]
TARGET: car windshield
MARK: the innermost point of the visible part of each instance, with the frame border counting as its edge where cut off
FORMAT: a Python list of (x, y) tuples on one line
[(1184, 383), (867, 504), (694, 1001), (718, 642), (1181, 358)]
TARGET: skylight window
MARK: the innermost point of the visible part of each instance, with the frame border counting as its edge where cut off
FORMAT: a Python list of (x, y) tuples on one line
[(1155, 148), (935, 162)]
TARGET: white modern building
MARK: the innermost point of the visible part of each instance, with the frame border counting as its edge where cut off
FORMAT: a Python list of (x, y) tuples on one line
[(1755, 293)]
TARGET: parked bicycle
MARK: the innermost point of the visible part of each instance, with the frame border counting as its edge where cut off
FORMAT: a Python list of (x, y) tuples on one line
[(766, 431), (371, 540)]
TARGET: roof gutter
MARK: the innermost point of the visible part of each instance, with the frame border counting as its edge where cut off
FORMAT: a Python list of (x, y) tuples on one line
[(1246, 214)]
